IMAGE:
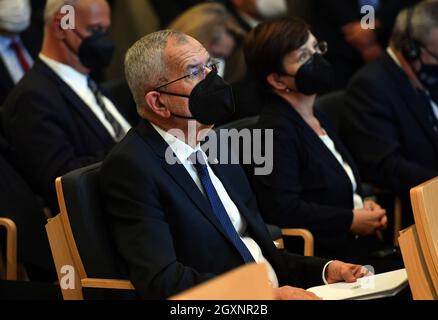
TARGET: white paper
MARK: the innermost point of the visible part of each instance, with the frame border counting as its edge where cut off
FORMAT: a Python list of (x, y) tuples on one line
[(371, 287)]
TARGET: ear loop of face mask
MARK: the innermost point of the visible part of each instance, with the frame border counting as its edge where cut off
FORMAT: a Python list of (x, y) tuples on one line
[(287, 89), (294, 76), (181, 96), (68, 45)]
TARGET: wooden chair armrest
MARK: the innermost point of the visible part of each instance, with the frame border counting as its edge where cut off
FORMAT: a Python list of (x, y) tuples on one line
[(303, 233), (11, 248), (107, 284)]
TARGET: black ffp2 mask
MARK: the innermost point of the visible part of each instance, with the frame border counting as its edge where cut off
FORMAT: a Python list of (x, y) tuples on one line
[(211, 100), (314, 77), (95, 51)]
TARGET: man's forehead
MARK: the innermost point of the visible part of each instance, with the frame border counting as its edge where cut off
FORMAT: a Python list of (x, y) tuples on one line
[(93, 11)]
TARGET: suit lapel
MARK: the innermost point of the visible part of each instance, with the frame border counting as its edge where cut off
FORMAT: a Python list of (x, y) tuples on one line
[(340, 148), (236, 197), (87, 115), (314, 142), (417, 102), (178, 173), (419, 105), (309, 137), (79, 105), (257, 230)]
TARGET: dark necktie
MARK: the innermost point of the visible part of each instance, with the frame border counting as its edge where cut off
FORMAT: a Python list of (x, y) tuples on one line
[(118, 130), (19, 52), (218, 208)]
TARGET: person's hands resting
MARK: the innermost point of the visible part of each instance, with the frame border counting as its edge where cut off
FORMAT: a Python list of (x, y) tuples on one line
[(338, 271), (369, 220)]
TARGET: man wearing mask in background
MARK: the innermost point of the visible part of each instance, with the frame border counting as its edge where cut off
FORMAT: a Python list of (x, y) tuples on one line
[(57, 120), (17, 49), (391, 117)]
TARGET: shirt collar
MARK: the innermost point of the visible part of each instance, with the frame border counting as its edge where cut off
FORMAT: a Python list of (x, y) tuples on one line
[(393, 56), (182, 150), (67, 73), (5, 42)]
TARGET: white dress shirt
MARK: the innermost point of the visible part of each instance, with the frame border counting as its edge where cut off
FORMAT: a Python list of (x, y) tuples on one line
[(78, 82), (183, 152), (10, 59), (357, 199)]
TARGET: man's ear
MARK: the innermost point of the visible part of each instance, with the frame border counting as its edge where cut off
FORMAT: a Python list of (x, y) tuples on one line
[(275, 81), (152, 99)]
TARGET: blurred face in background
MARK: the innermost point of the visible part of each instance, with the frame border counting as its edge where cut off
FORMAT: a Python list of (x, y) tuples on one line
[(262, 9), (223, 46), (14, 16)]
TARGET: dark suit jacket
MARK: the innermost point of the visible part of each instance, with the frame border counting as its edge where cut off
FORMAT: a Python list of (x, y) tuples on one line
[(307, 188), (388, 128), (50, 131), (18, 203), (164, 227), (32, 42)]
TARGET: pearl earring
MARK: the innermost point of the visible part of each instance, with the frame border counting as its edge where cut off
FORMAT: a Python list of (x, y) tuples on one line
[(287, 90)]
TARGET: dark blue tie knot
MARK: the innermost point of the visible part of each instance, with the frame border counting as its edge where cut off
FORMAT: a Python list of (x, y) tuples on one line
[(198, 160)]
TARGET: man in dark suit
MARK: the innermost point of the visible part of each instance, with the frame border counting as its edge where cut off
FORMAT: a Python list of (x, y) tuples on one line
[(56, 119), (177, 224), (18, 202), (19, 44), (391, 116)]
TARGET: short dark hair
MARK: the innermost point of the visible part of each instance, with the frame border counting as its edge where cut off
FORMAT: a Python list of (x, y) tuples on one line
[(268, 44)]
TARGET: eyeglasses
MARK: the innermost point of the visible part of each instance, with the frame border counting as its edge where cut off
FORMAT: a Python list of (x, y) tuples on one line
[(306, 55), (196, 73)]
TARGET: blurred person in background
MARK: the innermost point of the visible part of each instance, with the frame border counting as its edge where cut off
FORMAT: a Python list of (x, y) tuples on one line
[(213, 26), (391, 119), (339, 23), (18, 49)]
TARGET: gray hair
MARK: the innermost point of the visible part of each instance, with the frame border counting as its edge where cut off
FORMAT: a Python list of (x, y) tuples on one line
[(424, 21), (145, 63), (53, 7)]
